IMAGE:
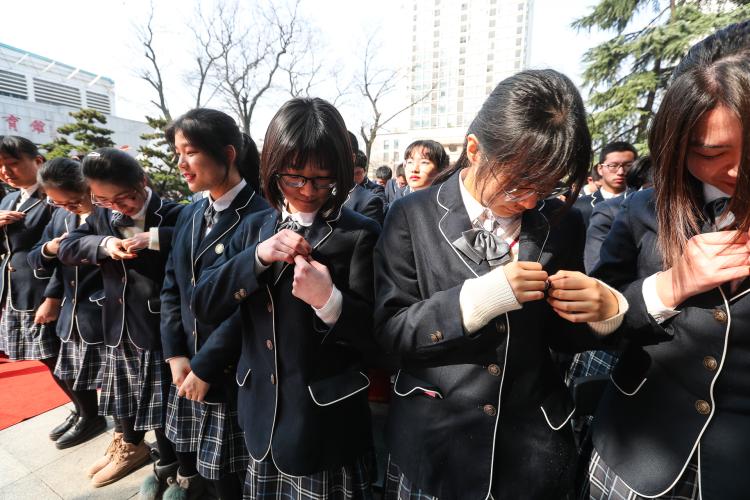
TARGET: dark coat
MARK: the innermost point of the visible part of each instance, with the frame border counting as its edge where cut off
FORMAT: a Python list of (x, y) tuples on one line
[(131, 287), (25, 284), (77, 286), (366, 203), (586, 203), (213, 349), (484, 412), (303, 390), (600, 223), (375, 188), (392, 191), (678, 385)]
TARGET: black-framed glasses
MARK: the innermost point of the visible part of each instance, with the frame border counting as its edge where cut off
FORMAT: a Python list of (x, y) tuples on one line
[(523, 194), (71, 205), (614, 166), (297, 181), (117, 200)]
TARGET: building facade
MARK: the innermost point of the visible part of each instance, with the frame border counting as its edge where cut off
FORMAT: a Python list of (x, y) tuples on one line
[(37, 94)]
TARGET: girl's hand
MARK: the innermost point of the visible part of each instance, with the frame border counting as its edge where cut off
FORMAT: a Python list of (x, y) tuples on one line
[(283, 246), (10, 216), (312, 282), (527, 279), (116, 249), (180, 368), (48, 311), (580, 299), (136, 242), (194, 388), (53, 245), (708, 261)]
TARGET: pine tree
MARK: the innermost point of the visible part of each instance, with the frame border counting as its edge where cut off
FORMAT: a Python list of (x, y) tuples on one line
[(627, 74), (160, 163), (86, 131)]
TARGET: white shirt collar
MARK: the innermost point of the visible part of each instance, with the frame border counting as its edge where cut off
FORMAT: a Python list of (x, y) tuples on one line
[(27, 192), (711, 193), (302, 218), (608, 195), (223, 202), (476, 210)]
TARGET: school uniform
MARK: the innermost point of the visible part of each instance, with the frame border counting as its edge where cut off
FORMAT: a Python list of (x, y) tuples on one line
[(209, 428), (79, 325), (392, 191), (135, 378), (303, 389), (22, 287), (674, 421), (366, 203), (479, 409)]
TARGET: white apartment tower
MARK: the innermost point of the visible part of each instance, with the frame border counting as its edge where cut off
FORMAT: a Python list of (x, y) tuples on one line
[(457, 51)]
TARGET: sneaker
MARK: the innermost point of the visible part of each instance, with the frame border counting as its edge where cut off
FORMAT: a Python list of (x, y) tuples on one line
[(126, 458), (61, 429), (83, 430), (103, 461), (154, 485), (185, 488)]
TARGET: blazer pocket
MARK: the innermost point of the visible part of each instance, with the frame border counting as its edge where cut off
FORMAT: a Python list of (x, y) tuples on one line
[(406, 385), (557, 409), (335, 389), (154, 306), (98, 298), (243, 371)]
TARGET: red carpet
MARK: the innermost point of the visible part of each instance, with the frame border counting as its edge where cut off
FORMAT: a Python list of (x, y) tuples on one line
[(26, 390)]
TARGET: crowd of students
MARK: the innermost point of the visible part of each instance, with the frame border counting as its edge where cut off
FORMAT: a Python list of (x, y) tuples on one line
[(243, 327)]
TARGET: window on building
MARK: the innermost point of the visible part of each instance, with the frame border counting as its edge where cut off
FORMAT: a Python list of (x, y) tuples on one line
[(56, 93), (13, 85)]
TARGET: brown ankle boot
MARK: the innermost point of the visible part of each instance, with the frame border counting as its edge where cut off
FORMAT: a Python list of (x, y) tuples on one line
[(103, 461), (126, 458)]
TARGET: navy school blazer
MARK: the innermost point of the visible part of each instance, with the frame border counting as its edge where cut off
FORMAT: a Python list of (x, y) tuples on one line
[(303, 390), (77, 286), (486, 413), (212, 348), (680, 387), (131, 287), (25, 284), (367, 203)]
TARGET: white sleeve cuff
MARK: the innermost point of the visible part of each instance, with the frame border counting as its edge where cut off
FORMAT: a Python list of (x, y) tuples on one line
[(654, 305), (45, 255), (103, 245), (609, 325), (259, 266), (484, 298), (153, 238), (331, 310)]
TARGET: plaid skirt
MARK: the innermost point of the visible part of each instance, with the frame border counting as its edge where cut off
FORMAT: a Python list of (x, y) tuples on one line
[(21, 339), (211, 430), (398, 486), (82, 363), (263, 480), (134, 385), (590, 363), (605, 484)]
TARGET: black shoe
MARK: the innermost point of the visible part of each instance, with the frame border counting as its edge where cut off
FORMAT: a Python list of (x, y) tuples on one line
[(83, 430), (61, 429)]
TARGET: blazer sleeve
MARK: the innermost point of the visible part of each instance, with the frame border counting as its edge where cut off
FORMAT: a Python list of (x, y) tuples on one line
[(166, 230), (172, 336), (82, 245), (599, 225), (221, 349), (39, 263), (406, 322), (374, 209)]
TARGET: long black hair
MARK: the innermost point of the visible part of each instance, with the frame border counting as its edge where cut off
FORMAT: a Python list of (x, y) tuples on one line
[(531, 129), (307, 131), (212, 131)]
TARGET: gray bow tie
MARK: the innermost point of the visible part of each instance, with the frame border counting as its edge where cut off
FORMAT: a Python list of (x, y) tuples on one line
[(292, 225), (480, 245), (211, 216), (120, 220)]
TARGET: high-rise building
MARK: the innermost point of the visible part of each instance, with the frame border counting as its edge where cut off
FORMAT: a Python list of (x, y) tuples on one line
[(457, 51)]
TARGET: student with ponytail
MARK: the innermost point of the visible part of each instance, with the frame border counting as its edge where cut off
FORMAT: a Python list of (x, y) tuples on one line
[(215, 157), (129, 238)]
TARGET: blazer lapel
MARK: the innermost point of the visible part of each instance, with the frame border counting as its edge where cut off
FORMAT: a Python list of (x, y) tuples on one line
[(32, 201), (228, 219), (196, 233), (153, 215), (455, 221)]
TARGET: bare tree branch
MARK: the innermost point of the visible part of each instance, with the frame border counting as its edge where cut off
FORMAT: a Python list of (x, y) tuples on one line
[(153, 76)]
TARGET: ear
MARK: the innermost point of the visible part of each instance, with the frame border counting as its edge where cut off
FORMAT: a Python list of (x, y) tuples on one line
[(472, 149), (599, 169), (231, 154)]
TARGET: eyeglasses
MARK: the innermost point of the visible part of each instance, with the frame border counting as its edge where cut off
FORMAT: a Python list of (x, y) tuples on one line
[(297, 181), (117, 200), (615, 166), (523, 194), (72, 205)]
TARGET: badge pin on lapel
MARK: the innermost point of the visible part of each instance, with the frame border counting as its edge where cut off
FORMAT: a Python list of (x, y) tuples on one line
[(219, 249)]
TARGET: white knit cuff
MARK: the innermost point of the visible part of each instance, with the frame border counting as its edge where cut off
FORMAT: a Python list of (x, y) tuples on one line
[(609, 325), (484, 298)]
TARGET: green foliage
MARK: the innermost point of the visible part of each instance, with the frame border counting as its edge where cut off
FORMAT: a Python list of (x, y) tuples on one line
[(86, 131), (160, 163), (627, 74)]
